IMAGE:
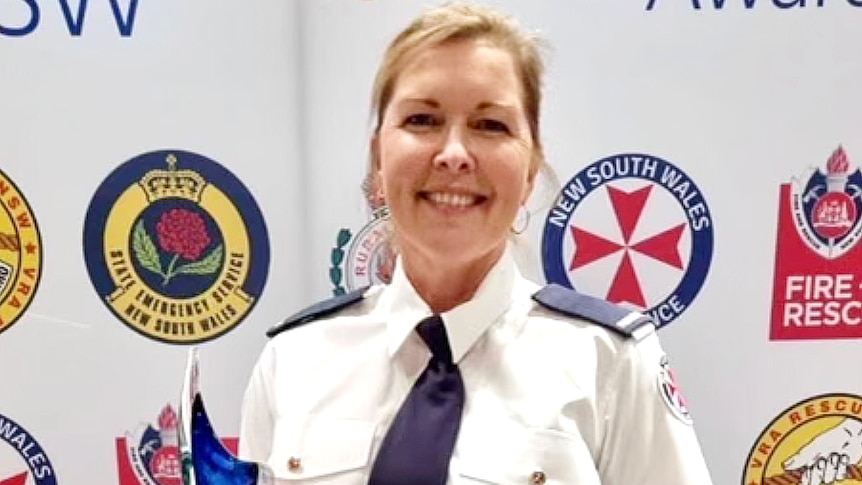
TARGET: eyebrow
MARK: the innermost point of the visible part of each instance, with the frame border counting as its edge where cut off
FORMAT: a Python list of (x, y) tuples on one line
[(432, 103)]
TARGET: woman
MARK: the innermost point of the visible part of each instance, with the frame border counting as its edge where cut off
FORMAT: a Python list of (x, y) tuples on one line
[(502, 381)]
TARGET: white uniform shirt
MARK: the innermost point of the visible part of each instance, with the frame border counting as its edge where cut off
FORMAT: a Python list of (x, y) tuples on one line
[(549, 399)]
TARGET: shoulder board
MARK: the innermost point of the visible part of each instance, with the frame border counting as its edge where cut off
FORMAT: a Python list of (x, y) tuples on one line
[(318, 310), (570, 302)]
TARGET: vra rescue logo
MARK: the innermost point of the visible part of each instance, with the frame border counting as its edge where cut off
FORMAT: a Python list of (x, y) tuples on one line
[(633, 229), (20, 253), (176, 246), (817, 440), (817, 291), (24, 460)]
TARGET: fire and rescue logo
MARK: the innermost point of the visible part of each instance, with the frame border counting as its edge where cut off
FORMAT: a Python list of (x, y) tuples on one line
[(20, 253), (817, 440), (23, 459), (176, 246), (816, 291), (150, 455), (363, 260), (633, 229)]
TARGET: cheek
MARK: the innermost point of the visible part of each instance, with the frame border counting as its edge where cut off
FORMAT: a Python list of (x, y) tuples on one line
[(513, 169), (401, 155)]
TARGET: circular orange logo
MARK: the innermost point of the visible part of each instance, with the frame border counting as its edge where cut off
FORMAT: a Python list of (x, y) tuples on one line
[(815, 441)]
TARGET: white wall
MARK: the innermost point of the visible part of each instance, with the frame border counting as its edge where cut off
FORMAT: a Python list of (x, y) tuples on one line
[(741, 99)]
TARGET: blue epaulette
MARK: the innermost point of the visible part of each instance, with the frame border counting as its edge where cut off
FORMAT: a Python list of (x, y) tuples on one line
[(318, 310), (570, 302)]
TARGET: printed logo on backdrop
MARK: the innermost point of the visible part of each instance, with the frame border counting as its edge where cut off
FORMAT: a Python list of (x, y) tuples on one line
[(25, 461), (150, 455), (719, 5), (633, 229), (24, 18), (364, 259), (20, 253), (817, 290), (817, 440), (176, 247)]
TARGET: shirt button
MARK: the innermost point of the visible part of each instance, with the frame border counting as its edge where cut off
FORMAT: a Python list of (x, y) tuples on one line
[(294, 464), (538, 478)]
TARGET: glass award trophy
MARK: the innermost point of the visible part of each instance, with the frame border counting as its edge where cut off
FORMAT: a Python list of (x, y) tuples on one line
[(205, 460)]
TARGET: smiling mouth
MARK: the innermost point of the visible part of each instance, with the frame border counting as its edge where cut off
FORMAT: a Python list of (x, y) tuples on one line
[(448, 199)]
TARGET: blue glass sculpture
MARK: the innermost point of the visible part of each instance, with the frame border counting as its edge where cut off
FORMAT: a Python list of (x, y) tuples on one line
[(205, 460)]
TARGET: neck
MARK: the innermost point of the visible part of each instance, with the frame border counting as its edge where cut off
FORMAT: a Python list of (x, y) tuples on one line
[(444, 283)]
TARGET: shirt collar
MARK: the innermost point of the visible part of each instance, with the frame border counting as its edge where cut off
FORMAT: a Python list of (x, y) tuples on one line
[(403, 308)]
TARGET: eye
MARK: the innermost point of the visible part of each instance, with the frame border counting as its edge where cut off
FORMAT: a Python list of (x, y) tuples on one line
[(491, 125), (421, 120)]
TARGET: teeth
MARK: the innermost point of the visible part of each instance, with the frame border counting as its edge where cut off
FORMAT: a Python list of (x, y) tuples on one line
[(454, 200)]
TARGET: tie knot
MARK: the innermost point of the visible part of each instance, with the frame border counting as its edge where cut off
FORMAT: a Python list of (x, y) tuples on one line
[(433, 332)]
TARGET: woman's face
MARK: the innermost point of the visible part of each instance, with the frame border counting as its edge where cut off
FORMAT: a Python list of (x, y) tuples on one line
[(453, 152)]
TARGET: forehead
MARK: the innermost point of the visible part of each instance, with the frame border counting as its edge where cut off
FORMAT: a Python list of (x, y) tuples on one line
[(473, 67)]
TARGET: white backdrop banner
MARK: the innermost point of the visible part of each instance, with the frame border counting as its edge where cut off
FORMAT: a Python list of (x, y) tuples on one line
[(179, 173)]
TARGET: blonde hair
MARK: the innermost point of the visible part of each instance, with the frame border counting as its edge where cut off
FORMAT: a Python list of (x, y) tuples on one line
[(464, 21)]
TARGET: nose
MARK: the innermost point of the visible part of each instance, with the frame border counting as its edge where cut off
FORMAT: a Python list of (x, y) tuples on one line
[(454, 155)]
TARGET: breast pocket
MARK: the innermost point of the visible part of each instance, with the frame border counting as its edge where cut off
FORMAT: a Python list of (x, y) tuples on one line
[(508, 454), (321, 450)]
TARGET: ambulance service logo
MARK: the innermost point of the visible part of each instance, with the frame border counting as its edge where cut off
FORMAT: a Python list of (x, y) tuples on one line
[(23, 460), (817, 440), (20, 253), (150, 454), (176, 247), (633, 229), (364, 259), (817, 291)]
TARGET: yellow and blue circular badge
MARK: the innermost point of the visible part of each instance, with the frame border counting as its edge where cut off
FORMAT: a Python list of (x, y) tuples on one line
[(20, 253), (176, 246)]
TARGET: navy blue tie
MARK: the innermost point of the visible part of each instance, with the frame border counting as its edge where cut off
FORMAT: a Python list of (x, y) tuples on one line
[(417, 448)]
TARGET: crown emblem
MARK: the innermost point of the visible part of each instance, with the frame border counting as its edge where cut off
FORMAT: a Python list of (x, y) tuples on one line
[(172, 183)]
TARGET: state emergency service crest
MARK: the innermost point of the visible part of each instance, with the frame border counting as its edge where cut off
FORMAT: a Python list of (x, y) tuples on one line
[(22, 460), (817, 440), (633, 229), (817, 290), (20, 253), (176, 247), (364, 259)]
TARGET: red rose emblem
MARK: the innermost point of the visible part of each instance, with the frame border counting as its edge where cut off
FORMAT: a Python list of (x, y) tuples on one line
[(183, 232)]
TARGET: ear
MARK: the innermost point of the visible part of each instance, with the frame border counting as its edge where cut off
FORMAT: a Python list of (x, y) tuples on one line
[(375, 190), (528, 189), (374, 152)]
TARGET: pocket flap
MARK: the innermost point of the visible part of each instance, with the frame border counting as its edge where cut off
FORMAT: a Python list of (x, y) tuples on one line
[(509, 454), (317, 446)]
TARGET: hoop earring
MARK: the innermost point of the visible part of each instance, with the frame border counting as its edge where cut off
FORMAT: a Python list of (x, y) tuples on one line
[(521, 222)]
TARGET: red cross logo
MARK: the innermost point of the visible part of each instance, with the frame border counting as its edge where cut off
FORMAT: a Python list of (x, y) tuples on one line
[(663, 246)]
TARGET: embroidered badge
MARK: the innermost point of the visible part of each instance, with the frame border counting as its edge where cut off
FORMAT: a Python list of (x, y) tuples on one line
[(671, 393)]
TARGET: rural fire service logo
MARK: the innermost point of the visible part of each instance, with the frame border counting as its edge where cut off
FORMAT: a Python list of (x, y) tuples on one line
[(365, 259), (150, 454), (176, 246), (817, 292), (20, 253), (818, 440), (23, 460), (633, 229)]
